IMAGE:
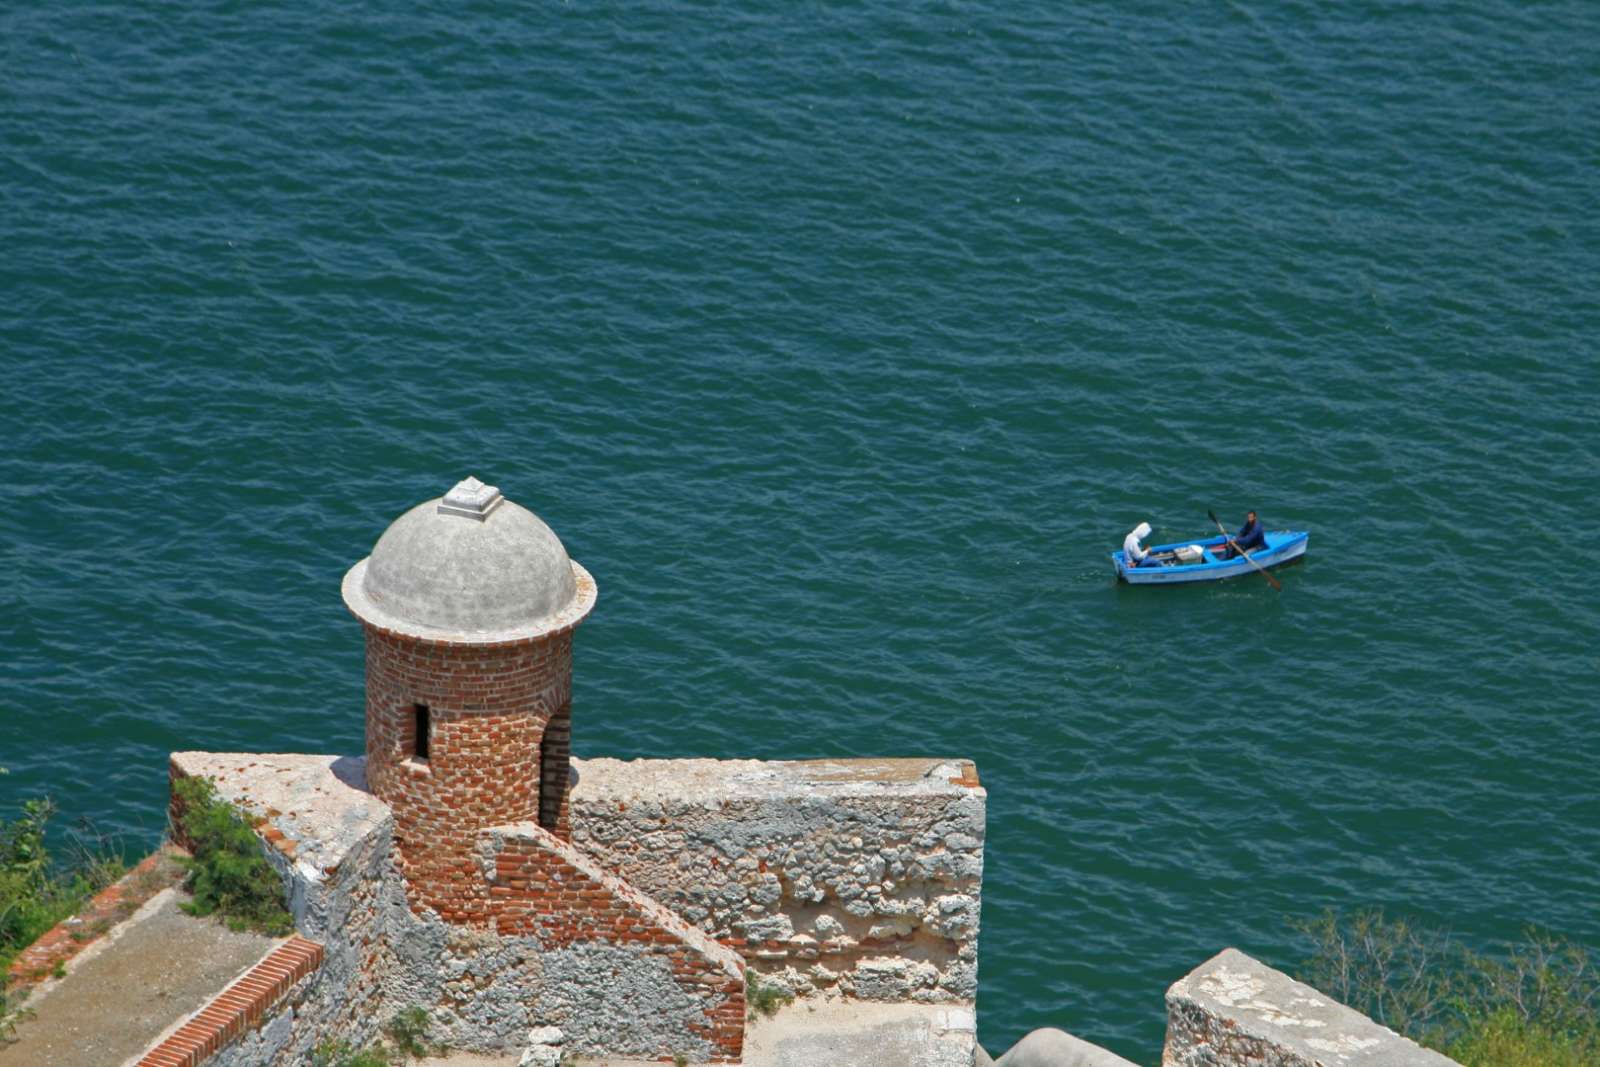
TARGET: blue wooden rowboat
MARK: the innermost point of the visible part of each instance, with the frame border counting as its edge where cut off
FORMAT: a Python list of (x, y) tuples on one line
[(1281, 547)]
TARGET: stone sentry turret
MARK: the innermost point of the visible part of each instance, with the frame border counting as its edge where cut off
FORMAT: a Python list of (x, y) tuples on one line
[(472, 867), (468, 603)]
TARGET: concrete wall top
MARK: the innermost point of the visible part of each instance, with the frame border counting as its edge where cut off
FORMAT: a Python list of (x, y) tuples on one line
[(1234, 1011), (700, 780), (316, 808)]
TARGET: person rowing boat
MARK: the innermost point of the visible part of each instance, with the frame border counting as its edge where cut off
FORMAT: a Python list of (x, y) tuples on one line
[(1210, 559), (1249, 538)]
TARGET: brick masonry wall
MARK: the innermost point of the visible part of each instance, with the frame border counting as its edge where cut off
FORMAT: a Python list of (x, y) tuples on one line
[(642, 982), (855, 878), (489, 706)]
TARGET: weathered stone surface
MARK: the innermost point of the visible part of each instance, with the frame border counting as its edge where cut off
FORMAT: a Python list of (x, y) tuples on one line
[(1233, 1011), (1055, 1048), (544, 1047), (856, 1033), (858, 878), (569, 943)]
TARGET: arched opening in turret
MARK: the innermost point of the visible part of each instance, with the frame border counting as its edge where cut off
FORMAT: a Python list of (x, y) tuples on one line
[(555, 755)]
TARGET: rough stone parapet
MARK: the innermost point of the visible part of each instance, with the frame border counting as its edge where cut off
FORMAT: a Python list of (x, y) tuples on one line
[(1233, 1011), (1053, 1048), (312, 809), (448, 869), (852, 877), (331, 842), (616, 970)]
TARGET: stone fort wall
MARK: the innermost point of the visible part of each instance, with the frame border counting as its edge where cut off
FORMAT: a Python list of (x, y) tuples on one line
[(738, 848), (854, 879)]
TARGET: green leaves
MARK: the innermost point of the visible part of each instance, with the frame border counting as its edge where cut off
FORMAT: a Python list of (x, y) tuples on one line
[(408, 1030), (340, 1054), (1535, 1003), (228, 874), (33, 897), (22, 848), (11, 1013), (763, 999)]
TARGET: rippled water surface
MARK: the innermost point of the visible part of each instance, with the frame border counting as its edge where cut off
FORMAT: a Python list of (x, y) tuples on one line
[(841, 344)]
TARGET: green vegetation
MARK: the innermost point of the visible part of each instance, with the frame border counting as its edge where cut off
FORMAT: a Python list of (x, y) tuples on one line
[(763, 999), (11, 1013), (340, 1054), (1532, 1004), (35, 891), (228, 875), (408, 1031)]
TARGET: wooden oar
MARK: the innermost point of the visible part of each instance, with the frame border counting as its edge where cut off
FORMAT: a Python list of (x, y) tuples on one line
[(1275, 583)]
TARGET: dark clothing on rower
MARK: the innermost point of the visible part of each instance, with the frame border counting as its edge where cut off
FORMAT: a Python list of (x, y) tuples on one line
[(1250, 536)]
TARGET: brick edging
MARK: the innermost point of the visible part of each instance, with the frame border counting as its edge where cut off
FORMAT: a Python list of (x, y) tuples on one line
[(239, 1008), (77, 932)]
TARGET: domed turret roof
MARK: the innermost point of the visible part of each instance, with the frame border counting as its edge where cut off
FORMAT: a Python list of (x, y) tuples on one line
[(469, 566)]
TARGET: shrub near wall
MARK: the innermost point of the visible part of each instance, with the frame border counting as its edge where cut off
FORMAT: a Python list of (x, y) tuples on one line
[(1532, 1004), (228, 874), (35, 893)]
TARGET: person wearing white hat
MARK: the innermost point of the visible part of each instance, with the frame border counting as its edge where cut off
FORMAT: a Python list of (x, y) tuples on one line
[(1133, 552)]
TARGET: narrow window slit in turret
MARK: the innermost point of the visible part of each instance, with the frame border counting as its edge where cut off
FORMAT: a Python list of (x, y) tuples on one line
[(420, 747)]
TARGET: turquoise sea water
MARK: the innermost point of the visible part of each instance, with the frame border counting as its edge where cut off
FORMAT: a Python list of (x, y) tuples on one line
[(841, 343)]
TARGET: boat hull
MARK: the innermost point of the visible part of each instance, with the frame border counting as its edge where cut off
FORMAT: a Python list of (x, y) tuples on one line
[(1283, 546)]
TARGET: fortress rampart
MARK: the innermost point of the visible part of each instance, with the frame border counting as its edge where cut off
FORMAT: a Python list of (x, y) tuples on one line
[(469, 865), (858, 878)]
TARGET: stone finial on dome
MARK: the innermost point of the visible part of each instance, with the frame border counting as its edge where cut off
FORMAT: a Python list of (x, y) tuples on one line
[(471, 499)]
